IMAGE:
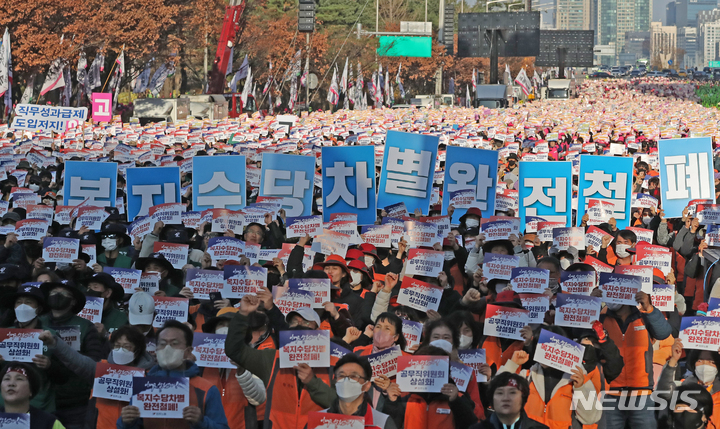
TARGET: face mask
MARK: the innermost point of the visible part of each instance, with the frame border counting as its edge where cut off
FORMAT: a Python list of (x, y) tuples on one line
[(472, 223), (565, 263), (63, 266), (348, 390), (34, 187), (122, 356), (614, 307), (93, 293), (646, 219), (465, 342), (621, 250), (356, 278), (383, 340), (109, 244), (442, 344), (449, 255), (688, 420), (170, 358), (369, 261), (706, 373), (24, 313), (222, 331), (59, 301), (553, 285)]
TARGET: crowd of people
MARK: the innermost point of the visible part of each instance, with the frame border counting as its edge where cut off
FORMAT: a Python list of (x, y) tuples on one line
[(628, 349)]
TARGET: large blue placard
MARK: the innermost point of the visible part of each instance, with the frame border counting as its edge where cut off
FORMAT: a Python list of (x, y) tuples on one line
[(349, 182), (609, 179), (475, 169), (290, 177), (545, 190), (95, 182), (686, 173), (150, 186), (218, 182)]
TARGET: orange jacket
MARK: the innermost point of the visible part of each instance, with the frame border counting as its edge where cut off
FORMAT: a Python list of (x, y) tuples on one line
[(421, 415), (495, 355), (268, 343), (636, 349), (285, 408), (240, 414)]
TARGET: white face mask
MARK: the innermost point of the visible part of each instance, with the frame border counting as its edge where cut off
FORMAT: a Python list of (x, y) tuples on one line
[(565, 263), (222, 331), (442, 344), (170, 358), (646, 219), (34, 188), (449, 255), (356, 278), (465, 342), (472, 223), (621, 250), (122, 356), (109, 244), (706, 373), (614, 307), (348, 390), (369, 261), (24, 313)]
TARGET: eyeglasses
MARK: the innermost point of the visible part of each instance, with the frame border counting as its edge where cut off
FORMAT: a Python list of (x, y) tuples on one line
[(353, 377), (110, 236), (253, 232)]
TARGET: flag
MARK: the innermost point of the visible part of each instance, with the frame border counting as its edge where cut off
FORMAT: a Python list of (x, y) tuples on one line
[(507, 76), (388, 87), (536, 79), (67, 92), (306, 72), (158, 79), (373, 88), (96, 67), (467, 94), (5, 71), (291, 66), (333, 97), (293, 92), (243, 71), (474, 81), (82, 76), (142, 81), (230, 61), (359, 93), (54, 78), (28, 93), (119, 71), (451, 86), (399, 83), (269, 82), (524, 82), (344, 78), (247, 87)]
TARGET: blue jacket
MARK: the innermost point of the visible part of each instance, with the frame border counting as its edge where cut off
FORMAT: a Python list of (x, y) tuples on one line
[(213, 412)]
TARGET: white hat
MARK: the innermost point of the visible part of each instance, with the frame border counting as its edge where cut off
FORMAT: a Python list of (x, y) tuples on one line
[(141, 309), (306, 313)]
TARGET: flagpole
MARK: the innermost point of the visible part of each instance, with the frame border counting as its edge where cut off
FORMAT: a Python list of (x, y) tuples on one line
[(111, 71)]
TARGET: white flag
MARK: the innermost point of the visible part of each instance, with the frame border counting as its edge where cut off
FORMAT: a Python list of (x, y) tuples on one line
[(467, 94), (524, 82), (507, 77), (474, 81), (54, 78), (28, 93), (247, 87), (333, 97), (5, 71), (344, 78)]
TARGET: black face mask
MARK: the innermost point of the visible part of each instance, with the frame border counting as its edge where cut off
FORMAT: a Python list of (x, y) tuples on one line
[(589, 358), (688, 420), (93, 293), (59, 301), (273, 279)]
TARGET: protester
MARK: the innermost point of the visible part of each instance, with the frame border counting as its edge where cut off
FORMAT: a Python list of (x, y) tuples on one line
[(19, 384)]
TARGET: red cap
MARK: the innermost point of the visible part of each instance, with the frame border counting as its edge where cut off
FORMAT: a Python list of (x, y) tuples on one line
[(369, 250), (658, 276), (336, 260), (353, 254)]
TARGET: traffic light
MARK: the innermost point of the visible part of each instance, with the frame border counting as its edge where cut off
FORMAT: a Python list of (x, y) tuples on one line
[(306, 16), (449, 28)]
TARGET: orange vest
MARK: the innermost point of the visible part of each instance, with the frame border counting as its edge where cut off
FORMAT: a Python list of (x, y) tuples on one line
[(108, 412), (494, 353), (637, 352), (268, 343), (363, 350), (198, 385), (240, 414), (420, 415), (199, 317), (715, 417), (458, 278), (555, 414), (284, 410)]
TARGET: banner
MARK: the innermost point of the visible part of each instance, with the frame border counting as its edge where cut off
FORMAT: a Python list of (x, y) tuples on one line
[(218, 182), (167, 308), (529, 280), (161, 397), (663, 297), (241, 280), (114, 382), (209, 351), (537, 304), (175, 253), (578, 282), (31, 229), (128, 278), (644, 272), (95, 182), (700, 333), (576, 311), (169, 213), (412, 331), (423, 373), (203, 282), (474, 358), (686, 173), (319, 288), (475, 172), (558, 352), (419, 295), (407, 170), (225, 248), (608, 179), (59, 249), (302, 225), (385, 362), (377, 235), (546, 192), (642, 234), (563, 238), (310, 347), (348, 182), (324, 420), (151, 186), (93, 309), (424, 262), (505, 322), (420, 234), (619, 288), (497, 266), (289, 299), (20, 345), (708, 214), (659, 257), (289, 177), (461, 375), (497, 230)]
